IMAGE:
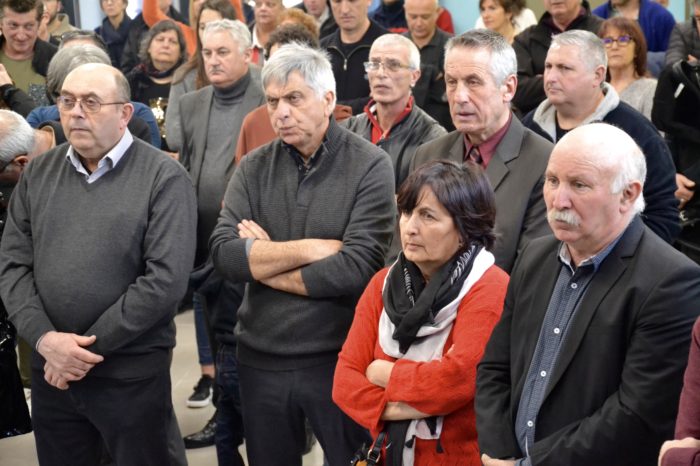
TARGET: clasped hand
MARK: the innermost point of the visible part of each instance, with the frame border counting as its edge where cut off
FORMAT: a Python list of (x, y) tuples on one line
[(67, 360)]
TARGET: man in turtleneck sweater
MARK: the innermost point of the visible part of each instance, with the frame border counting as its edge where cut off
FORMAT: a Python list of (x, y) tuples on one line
[(211, 120)]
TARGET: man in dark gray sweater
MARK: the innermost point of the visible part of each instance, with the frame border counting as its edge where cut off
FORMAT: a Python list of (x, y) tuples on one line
[(306, 222), (95, 256)]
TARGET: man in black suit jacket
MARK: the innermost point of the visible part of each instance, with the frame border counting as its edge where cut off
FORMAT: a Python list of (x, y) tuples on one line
[(586, 365), (480, 70)]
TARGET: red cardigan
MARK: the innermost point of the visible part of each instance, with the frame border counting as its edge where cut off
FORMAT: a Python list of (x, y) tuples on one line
[(688, 421), (444, 387)]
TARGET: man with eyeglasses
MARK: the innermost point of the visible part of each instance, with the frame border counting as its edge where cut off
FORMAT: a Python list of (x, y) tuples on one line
[(96, 255), (480, 72), (391, 120), (24, 58), (349, 47), (577, 94)]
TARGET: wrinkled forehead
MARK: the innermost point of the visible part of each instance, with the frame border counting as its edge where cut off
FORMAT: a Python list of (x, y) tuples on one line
[(393, 51), (98, 83)]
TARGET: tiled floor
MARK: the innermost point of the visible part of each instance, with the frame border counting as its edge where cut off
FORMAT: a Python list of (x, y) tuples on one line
[(19, 451)]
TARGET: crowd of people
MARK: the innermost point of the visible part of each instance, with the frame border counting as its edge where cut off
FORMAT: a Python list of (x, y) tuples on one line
[(401, 242)]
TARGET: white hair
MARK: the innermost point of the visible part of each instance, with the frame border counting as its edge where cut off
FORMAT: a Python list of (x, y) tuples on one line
[(591, 49), (16, 136), (610, 147), (239, 32), (312, 64), (400, 41), (503, 61)]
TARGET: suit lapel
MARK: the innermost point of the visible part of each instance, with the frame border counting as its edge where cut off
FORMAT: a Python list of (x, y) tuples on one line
[(507, 150), (456, 150), (202, 109), (604, 280), (528, 325)]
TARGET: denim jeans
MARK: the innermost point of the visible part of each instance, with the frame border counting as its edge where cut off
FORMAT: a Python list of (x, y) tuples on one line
[(229, 423), (201, 334)]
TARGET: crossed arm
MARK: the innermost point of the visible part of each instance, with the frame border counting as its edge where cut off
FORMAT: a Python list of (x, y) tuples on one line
[(278, 264)]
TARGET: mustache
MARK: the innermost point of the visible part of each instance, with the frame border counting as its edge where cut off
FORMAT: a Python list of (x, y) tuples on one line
[(566, 216)]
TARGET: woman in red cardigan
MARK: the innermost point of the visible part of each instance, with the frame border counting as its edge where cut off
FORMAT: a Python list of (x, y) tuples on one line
[(685, 451), (408, 366)]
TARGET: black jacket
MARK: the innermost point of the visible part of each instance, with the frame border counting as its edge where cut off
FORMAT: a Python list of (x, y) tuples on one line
[(349, 70), (329, 26), (18, 100), (531, 47)]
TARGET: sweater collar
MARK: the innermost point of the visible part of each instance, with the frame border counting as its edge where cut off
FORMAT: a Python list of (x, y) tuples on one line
[(234, 91)]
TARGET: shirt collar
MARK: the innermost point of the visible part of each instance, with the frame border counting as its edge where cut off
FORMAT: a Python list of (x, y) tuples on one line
[(488, 147), (595, 260), (112, 157)]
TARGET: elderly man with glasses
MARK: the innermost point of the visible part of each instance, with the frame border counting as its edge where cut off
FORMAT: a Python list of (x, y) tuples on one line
[(95, 257)]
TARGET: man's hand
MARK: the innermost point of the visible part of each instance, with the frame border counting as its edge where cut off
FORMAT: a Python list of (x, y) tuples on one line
[(488, 461), (4, 77), (66, 359), (250, 229), (379, 372), (685, 190), (688, 442)]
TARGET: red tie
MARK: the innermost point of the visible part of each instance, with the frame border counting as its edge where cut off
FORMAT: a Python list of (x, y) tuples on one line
[(474, 155)]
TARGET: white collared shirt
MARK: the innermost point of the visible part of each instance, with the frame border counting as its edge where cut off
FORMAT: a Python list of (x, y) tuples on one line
[(106, 163)]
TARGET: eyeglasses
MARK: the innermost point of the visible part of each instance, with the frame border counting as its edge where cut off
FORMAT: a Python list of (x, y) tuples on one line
[(622, 41), (389, 65), (87, 105)]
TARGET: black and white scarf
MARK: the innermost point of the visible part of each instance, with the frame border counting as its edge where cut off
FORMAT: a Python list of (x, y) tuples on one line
[(416, 320)]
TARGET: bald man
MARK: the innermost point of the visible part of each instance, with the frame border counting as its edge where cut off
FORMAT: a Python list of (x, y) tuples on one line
[(586, 365), (97, 250)]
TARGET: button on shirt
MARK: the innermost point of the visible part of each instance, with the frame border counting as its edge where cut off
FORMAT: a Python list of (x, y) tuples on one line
[(106, 163), (570, 287)]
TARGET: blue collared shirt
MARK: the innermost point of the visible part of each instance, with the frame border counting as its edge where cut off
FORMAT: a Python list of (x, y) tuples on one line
[(570, 287), (106, 163)]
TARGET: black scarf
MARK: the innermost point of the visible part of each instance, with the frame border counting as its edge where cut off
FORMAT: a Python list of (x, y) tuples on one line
[(410, 304), (149, 70)]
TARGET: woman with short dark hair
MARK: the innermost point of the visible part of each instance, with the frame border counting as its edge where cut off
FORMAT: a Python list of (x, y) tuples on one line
[(408, 366)]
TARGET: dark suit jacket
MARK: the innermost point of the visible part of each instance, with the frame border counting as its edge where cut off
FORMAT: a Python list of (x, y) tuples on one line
[(613, 394), (516, 173)]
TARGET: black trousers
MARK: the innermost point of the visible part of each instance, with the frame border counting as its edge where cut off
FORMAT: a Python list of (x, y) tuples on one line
[(132, 418), (275, 405)]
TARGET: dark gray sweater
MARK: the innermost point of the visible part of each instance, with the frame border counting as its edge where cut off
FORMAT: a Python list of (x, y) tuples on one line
[(348, 195), (110, 259)]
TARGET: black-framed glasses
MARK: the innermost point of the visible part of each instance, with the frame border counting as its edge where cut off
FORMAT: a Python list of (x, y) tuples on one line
[(622, 41), (389, 65), (88, 104)]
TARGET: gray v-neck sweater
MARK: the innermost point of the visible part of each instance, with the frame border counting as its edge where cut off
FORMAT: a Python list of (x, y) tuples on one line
[(109, 259)]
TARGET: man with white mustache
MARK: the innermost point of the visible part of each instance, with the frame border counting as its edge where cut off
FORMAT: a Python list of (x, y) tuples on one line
[(586, 364), (574, 81)]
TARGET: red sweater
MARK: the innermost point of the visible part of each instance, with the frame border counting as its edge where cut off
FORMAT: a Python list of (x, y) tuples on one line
[(688, 421), (443, 387)]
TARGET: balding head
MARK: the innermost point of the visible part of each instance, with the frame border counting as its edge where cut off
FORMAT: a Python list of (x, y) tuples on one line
[(95, 109), (16, 136), (593, 187)]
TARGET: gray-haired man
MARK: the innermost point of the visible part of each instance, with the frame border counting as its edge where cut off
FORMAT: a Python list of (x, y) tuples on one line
[(306, 223)]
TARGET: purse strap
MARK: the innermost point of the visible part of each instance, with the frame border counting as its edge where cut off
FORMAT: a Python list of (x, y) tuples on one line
[(374, 454)]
